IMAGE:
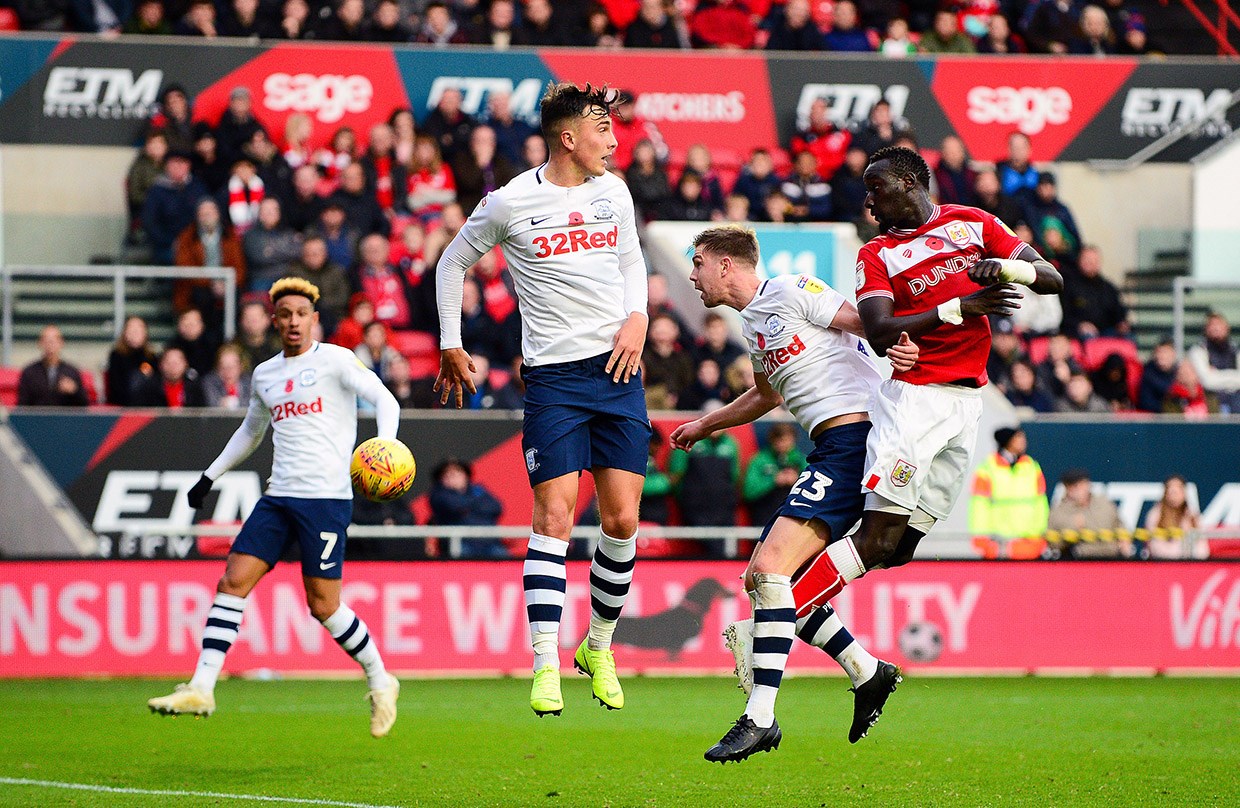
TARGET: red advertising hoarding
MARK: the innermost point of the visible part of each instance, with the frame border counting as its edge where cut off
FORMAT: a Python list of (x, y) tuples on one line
[(443, 618)]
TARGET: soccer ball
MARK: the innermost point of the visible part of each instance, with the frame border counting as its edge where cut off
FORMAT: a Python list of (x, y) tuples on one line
[(921, 642), (382, 469)]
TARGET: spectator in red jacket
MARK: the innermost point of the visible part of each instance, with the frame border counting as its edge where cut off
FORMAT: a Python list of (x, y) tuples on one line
[(383, 284), (723, 24), (630, 129), (821, 137)]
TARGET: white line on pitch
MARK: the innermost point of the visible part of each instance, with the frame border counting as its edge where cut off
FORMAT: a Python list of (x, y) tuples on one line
[(20, 781)]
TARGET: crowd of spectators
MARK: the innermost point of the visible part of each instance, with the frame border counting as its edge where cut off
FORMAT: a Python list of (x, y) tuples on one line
[(892, 29)]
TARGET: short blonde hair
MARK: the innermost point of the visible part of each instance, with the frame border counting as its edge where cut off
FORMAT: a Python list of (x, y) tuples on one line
[(294, 286), (731, 240)]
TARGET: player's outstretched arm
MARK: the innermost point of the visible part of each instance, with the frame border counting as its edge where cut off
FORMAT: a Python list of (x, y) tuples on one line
[(240, 446), (455, 373), (747, 407)]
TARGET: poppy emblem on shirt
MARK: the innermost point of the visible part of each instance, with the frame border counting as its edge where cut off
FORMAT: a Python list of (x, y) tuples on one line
[(576, 218), (288, 385), (958, 233), (934, 243), (761, 343)]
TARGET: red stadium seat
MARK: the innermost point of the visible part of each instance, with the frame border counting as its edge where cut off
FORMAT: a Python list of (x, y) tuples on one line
[(1039, 348), (9, 20), (421, 367), (1099, 348), (498, 377), (90, 386), (414, 344), (8, 386)]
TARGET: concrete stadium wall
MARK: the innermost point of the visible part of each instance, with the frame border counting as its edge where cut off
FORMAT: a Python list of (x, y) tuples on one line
[(1216, 215)]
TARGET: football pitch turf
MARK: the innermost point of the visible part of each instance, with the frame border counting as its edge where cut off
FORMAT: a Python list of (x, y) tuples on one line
[(974, 742)]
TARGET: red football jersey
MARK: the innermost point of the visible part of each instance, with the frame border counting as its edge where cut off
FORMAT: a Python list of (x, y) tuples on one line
[(919, 269)]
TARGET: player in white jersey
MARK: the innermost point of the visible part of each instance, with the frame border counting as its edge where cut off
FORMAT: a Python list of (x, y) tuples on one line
[(309, 393), (803, 338), (568, 234)]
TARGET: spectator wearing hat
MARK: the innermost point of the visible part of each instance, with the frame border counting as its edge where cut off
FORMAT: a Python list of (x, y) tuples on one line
[(1005, 350), (236, 125), (1045, 208), (169, 206), (50, 381), (210, 170), (1009, 505), (1080, 509), (455, 499)]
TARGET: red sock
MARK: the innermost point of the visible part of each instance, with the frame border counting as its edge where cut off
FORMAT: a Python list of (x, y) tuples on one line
[(820, 582)]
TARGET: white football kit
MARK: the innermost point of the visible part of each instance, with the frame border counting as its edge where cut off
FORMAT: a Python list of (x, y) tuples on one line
[(311, 403), (574, 258), (820, 371)]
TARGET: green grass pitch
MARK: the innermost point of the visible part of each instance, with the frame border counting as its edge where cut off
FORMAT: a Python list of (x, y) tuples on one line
[(974, 742)]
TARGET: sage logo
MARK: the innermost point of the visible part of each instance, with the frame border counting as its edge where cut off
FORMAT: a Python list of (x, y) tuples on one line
[(1157, 111), (1030, 109), (851, 103), (100, 92), (326, 97)]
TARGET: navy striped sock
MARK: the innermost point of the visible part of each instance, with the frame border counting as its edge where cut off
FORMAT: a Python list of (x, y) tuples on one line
[(823, 629), (544, 579), (350, 633), (223, 623), (774, 626), (611, 573)]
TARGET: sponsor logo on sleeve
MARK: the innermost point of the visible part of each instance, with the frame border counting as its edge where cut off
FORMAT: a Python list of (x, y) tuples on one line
[(860, 275), (811, 285)]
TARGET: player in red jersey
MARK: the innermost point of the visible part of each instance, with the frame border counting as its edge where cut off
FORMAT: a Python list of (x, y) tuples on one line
[(935, 272)]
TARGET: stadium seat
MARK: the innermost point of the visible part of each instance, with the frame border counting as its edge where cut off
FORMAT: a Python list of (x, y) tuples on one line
[(422, 367), (498, 377), (1039, 347), (1098, 349), (414, 344), (8, 386), (9, 20)]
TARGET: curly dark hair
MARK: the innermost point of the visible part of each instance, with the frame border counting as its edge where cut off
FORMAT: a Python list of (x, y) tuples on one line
[(903, 161), (566, 101)]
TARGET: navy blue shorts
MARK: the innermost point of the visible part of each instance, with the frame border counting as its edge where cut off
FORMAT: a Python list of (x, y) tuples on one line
[(828, 490), (577, 418), (317, 525)]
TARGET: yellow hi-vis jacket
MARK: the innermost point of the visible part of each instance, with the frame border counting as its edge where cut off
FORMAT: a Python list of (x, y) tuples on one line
[(1009, 501)]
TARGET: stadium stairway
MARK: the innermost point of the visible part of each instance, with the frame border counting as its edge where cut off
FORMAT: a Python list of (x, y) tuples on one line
[(1149, 291)]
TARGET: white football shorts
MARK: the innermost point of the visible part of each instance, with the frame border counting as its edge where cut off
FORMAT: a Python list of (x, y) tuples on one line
[(921, 447)]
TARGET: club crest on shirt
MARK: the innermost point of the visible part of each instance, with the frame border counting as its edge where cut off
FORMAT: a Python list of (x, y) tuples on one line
[(307, 377), (602, 208), (288, 385), (958, 234), (774, 327), (531, 462), (902, 473)]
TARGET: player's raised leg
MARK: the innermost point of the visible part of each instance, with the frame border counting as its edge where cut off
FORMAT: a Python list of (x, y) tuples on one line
[(242, 573), (545, 580), (611, 573), (786, 547)]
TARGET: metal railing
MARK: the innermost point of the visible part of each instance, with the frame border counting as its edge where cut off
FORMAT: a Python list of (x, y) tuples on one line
[(118, 274), (1179, 288), (947, 545)]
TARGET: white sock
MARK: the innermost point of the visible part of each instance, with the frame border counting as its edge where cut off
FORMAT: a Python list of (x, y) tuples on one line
[(823, 629), (611, 573), (351, 634), (774, 626), (843, 555), (545, 581), (223, 621)]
